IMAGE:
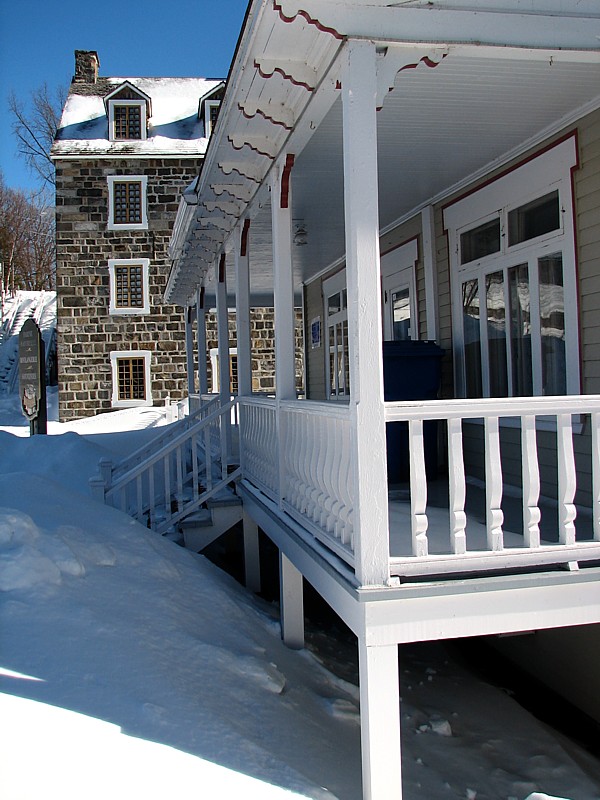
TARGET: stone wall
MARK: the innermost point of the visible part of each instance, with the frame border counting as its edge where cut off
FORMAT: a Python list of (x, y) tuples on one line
[(262, 322), (86, 332)]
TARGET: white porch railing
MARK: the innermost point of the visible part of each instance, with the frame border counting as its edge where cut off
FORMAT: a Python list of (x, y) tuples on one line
[(164, 482), (452, 550), (303, 463), (299, 454)]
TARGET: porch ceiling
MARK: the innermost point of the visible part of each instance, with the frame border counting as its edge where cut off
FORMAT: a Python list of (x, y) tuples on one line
[(448, 111)]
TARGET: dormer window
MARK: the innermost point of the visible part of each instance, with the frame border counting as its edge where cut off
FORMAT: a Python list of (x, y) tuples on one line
[(127, 121), (128, 110), (211, 112)]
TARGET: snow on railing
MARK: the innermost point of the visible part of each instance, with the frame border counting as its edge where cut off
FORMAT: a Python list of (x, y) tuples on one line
[(175, 478), (500, 549)]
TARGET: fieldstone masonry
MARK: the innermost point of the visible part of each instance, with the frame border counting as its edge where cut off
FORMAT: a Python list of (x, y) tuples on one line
[(87, 333)]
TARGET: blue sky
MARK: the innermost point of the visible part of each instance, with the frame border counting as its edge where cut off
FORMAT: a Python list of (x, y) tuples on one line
[(132, 38)]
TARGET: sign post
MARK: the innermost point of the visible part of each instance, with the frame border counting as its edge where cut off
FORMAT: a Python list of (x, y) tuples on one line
[(32, 377)]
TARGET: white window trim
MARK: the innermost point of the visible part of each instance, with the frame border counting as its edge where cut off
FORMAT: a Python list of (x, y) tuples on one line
[(111, 119), (398, 270), (114, 357), (336, 283), (542, 174), (129, 310), (208, 104), (128, 226), (214, 367)]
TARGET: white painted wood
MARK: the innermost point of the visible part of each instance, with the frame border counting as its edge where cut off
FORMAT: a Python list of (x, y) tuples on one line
[(493, 483), (380, 721), (429, 269), (283, 285), (456, 488), (251, 554), (242, 299), (224, 367), (291, 603), (359, 90), (531, 483), (189, 352), (201, 345), (418, 488), (567, 479)]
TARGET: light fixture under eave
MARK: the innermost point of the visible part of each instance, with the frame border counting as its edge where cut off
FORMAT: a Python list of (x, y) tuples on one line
[(300, 234)]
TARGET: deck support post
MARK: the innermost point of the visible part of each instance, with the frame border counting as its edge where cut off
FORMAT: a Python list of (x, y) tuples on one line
[(361, 204), (251, 554), (201, 343), (224, 370), (189, 350), (242, 309), (291, 603), (380, 721)]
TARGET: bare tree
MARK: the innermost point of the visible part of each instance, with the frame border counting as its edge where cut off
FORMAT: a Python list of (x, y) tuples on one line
[(27, 246), (35, 126)]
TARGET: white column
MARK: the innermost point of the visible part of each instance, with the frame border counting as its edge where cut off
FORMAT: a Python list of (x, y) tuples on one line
[(223, 346), (201, 343), (251, 553), (242, 298), (189, 350), (283, 285), (359, 89), (291, 603), (380, 721), (429, 267)]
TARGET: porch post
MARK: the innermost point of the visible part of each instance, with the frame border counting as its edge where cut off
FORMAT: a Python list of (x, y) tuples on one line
[(380, 721), (223, 346), (242, 299), (201, 342), (359, 90), (283, 283), (290, 579), (291, 603), (251, 554), (189, 350)]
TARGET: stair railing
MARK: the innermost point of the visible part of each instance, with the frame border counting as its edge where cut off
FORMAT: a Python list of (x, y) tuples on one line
[(175, 476)]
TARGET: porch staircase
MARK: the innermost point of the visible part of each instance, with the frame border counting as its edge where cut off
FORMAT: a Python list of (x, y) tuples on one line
[(182, 484)]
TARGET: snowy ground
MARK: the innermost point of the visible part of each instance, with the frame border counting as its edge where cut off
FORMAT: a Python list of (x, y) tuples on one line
[(131, 668)]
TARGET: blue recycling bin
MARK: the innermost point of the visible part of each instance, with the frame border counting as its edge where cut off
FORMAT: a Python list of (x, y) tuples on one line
[(412, 370)]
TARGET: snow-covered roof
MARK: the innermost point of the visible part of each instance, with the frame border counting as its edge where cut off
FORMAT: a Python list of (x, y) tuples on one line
[(173, 129)]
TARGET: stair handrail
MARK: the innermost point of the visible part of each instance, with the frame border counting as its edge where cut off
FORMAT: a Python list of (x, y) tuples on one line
[(161, 439), (105, 488), (168, 447)]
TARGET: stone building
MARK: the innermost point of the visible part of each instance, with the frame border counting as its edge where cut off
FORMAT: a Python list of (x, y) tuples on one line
[(125, 150)]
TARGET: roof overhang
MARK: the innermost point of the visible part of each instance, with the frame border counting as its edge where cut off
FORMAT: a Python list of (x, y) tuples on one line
[(462, 87)]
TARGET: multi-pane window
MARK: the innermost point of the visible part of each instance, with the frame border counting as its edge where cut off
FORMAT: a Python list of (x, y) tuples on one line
[(131, 373), (514, 282), (127, 202), (336, 316), (127, 121), (211, 112), (131, 378), (129, 286)]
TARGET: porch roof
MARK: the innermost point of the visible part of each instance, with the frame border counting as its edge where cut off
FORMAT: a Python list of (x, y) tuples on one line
[(462, 88)]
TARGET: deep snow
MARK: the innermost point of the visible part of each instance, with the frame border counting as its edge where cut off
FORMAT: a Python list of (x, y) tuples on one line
[(133, 668)]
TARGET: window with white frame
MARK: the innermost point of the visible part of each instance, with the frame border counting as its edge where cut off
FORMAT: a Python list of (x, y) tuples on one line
[(127, 202), (130, 378), (335, 297), (514, 287), (211, 112), (127, 120), (129, 290)]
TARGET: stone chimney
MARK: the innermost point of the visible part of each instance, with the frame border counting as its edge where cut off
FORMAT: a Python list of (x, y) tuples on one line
[(87, 64)]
